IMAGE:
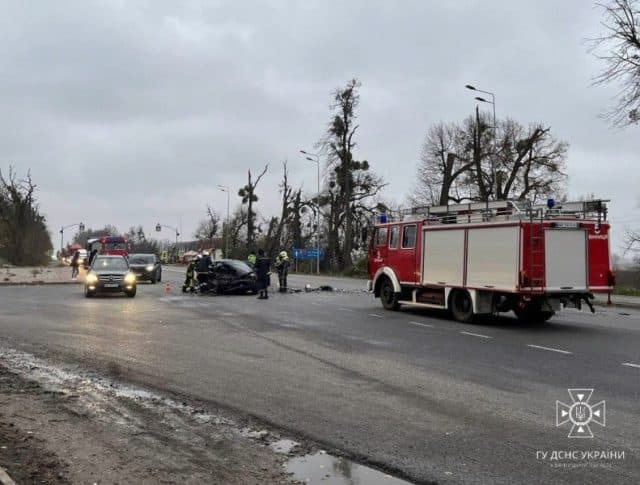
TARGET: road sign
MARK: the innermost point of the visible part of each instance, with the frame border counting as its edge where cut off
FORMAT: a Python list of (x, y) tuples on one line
[(311, 253)]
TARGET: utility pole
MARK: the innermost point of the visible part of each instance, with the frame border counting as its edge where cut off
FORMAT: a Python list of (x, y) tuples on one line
[(225, 188), (316, 159), (494, 179)]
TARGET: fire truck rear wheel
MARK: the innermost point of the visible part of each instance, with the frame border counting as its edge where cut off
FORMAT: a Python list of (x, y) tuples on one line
[(461, 306), (532, 314), (388, 296)]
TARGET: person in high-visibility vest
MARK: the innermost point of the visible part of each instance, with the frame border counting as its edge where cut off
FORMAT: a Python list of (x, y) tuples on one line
[(251, 259), (189, 281), (282, 265)]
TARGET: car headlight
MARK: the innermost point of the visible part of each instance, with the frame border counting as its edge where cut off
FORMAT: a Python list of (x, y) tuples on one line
[(92, 278), (130, 278), (149, 268)]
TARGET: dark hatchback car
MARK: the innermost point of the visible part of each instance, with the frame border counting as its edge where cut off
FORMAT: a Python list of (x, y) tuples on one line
[(110, 274), (231, 276), (146, 267)]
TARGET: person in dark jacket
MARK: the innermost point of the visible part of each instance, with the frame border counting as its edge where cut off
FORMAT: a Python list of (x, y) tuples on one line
[(92, 256), (75, 263), (262, 269)]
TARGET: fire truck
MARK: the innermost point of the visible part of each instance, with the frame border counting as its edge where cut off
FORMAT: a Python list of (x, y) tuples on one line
[(111, 245), (484, 258)]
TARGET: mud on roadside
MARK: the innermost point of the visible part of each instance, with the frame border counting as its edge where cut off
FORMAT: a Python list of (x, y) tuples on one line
[(74, 429)]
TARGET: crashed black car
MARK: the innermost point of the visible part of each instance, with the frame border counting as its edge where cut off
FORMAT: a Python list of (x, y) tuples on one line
[(230, 276), (146, 267), (110, 274)]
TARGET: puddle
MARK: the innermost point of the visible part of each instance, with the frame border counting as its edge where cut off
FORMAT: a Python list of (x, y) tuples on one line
[(325, 469)]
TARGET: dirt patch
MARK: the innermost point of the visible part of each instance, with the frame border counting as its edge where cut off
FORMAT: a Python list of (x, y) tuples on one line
[(25, 457), (83, 431)]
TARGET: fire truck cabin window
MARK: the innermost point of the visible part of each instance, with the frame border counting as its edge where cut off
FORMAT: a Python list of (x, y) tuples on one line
[(409, 237), (381, 237), (393, 237)]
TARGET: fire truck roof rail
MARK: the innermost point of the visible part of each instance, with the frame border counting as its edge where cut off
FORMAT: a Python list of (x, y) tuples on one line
[(504, 210)]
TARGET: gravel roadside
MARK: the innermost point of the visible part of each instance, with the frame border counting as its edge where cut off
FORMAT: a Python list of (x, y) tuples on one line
[(80, 429)]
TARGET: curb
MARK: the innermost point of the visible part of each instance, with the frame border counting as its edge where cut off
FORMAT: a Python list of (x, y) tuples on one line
[(5, 479), (603, 304)]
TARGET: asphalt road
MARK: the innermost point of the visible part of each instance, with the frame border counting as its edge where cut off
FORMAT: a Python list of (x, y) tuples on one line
[(411, 391)]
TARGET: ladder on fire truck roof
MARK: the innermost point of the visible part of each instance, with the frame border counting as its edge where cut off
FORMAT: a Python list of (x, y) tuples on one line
[(501, 210)]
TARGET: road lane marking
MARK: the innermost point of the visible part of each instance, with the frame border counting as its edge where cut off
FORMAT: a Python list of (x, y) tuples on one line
[(376, 315), (476, 335), (550, 349), (629, 364), (346, 309), (421, 324)]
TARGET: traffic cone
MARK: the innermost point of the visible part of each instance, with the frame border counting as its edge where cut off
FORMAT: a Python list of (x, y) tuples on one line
[(167, 287)]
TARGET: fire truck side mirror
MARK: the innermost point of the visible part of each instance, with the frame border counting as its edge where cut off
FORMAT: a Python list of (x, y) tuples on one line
[(364, 234)]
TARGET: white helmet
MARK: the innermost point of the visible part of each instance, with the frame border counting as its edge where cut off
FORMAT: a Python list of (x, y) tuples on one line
[(283, 255)]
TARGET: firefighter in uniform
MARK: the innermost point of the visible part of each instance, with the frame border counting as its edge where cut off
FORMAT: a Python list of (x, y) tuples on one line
[(190, 279), (282, 265)]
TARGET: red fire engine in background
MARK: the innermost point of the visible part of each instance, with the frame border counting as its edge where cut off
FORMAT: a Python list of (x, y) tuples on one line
[(111, 245), (484, 258)]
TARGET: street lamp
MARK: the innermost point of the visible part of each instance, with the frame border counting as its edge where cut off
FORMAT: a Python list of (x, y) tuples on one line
[(495, 133), (225, 188), (80, 227), (159, 228), (313, 157)]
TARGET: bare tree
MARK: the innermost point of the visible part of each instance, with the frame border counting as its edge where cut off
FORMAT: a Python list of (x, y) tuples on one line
[(248, 194), (208, 227), (632, 244), (531, 162), (440, 167), (351, 183), (456, 162), (25, 239), (274, 239), (620, 52)]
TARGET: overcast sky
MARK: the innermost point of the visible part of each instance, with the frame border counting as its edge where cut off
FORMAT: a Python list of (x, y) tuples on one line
[(131, 112)]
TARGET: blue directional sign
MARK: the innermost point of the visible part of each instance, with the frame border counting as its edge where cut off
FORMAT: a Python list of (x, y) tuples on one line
[(311, 253)]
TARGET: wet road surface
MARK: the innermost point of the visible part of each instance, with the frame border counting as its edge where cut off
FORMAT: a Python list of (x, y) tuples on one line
[(410, 391)]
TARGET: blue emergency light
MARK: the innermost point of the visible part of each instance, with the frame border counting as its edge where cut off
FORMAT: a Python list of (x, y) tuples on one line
[(551, 203), (382, 218)]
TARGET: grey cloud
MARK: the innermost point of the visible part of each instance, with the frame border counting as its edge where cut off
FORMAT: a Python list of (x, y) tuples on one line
[(190, 94)]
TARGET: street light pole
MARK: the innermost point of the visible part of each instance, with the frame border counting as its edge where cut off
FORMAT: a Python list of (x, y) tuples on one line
[(225, 188), (494, 187), (316, 159), (80, 226)]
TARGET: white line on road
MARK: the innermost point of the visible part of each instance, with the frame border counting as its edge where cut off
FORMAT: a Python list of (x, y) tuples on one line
[(629, 364), (550, 349), (375, 315), (421, 324), (346, 309), (476, 335)]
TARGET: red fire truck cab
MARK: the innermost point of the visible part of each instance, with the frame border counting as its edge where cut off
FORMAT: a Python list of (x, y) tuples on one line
[(111, 245), (484, 258)]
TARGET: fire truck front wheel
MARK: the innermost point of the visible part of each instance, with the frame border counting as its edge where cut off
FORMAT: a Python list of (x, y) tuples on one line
[(388, 297), (461, 306)]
